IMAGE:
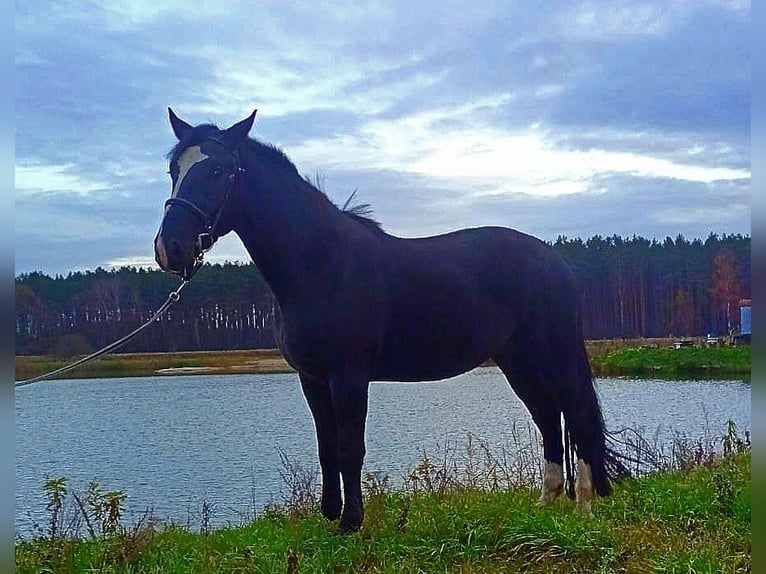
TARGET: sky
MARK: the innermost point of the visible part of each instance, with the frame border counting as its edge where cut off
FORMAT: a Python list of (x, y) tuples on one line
[(555, 118)]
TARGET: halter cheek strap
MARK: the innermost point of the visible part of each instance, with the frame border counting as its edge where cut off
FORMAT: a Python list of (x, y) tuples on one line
[(205, 239), (191, 207)]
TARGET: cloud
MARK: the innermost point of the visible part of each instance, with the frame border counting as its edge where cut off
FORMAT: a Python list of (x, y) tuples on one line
[(646, 207), (50, 178), (608, 117), (693, 76), (491, 161)]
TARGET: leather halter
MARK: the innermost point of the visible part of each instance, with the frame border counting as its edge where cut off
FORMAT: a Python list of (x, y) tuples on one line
[(210, 222)]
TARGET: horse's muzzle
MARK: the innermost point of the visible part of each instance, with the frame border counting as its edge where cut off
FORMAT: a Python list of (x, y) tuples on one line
[(160, 255), (171, 257)]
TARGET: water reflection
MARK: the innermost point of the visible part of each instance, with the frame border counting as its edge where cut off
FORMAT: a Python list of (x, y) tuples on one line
[(173, 442)]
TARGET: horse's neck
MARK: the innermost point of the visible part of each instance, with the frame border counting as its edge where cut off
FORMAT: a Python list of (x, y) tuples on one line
[(288, 229)]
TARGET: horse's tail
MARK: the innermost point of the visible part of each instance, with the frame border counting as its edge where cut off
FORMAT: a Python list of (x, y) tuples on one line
[(586, 437)]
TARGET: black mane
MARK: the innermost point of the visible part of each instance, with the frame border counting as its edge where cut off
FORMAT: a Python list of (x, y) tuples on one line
[(361, 212), (271, 154)]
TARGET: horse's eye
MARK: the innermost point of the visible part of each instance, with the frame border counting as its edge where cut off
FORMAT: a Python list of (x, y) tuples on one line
[(217, 171)]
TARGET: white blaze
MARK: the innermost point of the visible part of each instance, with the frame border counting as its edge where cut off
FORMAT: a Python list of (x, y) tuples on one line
[(185, 162), (187, 159)]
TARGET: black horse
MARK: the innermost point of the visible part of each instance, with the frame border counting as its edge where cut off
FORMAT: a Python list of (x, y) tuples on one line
[(357, 304)]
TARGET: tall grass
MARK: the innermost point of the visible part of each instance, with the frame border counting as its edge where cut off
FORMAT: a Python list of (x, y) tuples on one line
[(462, 509)]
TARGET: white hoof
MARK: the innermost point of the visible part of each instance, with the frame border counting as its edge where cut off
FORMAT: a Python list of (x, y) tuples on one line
[(553, 483), (584, 487)]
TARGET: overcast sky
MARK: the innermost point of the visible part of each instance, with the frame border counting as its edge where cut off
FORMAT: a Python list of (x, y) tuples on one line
[(555, 118)]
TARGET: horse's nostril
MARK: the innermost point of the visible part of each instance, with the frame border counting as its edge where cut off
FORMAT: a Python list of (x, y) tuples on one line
[(174, 248)]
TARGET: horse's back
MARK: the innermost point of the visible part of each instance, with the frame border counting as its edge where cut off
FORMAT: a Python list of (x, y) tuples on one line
[(455, 300), (481, 264)]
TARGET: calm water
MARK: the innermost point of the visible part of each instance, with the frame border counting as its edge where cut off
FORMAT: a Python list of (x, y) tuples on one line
[(174, 442)]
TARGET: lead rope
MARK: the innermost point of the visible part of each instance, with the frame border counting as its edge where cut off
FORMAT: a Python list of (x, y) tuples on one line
[(173, 297), (204, 242)]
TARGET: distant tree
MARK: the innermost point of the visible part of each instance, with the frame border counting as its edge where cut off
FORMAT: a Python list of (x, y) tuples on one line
[(725, 287), (683, 322), (30, 311)]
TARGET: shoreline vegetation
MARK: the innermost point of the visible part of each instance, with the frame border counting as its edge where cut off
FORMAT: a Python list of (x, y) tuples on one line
[(690, 512), (614, 357)]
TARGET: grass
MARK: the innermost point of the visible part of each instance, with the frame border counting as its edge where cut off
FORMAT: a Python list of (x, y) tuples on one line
[(693, 518), (147, 364), (633, 357), (675, 363)]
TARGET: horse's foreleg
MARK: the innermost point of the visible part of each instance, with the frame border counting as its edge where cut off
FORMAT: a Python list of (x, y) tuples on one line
[(349, 398), (317, 393)]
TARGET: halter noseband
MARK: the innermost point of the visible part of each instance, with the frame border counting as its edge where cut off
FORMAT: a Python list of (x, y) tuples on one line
[(205, 239)]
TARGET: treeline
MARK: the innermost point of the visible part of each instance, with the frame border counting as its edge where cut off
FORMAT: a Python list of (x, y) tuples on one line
[(634, 287), (631, 287), (224, 307)]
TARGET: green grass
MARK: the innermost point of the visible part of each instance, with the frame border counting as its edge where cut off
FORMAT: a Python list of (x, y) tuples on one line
[(695, 521), (675, 363)]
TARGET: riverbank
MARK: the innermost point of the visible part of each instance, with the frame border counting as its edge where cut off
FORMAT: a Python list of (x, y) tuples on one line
[(693, 520), (683, 362), (257, 361), (614, 357)]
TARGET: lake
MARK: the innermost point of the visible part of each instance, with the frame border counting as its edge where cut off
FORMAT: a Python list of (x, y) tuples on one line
[(173, 442)]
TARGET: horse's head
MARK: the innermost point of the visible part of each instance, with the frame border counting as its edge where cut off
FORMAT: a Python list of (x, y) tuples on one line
[(205, 172)]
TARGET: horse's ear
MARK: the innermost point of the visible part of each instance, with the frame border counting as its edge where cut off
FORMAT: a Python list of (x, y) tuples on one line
[(240, 130), (179, 126)]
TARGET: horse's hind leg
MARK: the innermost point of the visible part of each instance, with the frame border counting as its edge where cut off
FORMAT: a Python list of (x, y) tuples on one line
[(317, 393), (528, 382), (585, 424)]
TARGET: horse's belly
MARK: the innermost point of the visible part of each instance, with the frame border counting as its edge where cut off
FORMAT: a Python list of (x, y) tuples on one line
[(420, 360), (443, 344), (423, 371)]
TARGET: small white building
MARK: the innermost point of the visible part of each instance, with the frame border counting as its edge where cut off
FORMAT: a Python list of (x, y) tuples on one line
[(745, 322), (745, 325)]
